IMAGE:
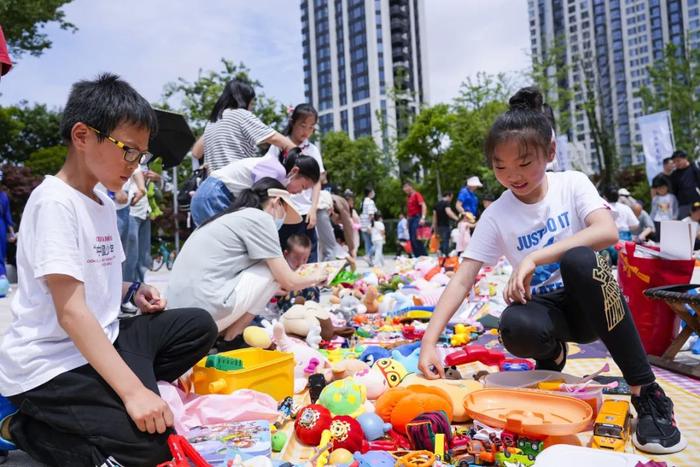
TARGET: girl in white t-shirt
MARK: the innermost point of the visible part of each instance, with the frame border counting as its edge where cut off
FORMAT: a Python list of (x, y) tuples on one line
[(378, 234), (300, 127), (549, 225)]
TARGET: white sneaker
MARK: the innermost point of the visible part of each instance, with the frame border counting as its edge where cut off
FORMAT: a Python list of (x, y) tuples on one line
[(129, 309)]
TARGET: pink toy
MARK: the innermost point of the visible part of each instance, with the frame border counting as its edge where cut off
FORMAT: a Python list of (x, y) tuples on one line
[(305, 358), (374, 381)]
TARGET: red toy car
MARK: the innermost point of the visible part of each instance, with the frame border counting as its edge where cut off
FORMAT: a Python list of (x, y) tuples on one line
[(475, 353)]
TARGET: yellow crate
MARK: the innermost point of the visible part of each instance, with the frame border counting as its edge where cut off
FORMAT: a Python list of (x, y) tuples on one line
[(267, 371)]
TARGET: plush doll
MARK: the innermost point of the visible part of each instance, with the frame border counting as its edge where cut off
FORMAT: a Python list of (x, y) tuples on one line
[(307, 361), (393, 371), (344, 397), (302, 320), (346, 433), (348, 367), (373, 426), (410, 361), (310, 423), (374, 382), (399, 406), (372, 353), (370, 299)]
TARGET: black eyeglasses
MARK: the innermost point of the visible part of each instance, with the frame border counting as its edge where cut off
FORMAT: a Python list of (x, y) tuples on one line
[(130, 154)]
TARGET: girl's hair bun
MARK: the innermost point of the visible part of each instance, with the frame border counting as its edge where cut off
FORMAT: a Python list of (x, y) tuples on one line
[(529, 98)]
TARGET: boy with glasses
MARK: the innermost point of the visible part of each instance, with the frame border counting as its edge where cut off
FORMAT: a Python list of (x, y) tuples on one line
[(81, 384)]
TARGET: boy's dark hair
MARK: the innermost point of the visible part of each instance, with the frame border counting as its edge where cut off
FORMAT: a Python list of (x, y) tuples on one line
[(659, 182), (237, 94), (447, 194), (408, 182), (667, 160), (679, 153), (300, 240), (104, 104), (368, 190), (529, 120), (611, 194), (300, 112), (308, 167), (695, 206), (252, 197)]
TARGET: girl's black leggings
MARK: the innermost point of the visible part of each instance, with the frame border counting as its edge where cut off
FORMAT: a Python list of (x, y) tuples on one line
[(589, 307)]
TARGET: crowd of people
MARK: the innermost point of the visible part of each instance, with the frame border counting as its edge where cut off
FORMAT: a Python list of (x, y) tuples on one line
[(68, 363)]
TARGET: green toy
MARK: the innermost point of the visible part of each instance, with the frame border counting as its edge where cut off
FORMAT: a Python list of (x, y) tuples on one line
[(224, 363), (345, 277), (279, 439)]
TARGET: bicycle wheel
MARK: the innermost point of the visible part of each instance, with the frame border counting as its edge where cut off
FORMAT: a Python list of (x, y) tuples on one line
[(157, 262)]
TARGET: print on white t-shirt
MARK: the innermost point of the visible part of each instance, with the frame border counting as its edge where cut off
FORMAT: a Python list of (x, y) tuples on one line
[(515, 229)]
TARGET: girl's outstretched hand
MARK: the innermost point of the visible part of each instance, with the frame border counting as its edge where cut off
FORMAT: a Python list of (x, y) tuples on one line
[(518, 287), (429, 362)]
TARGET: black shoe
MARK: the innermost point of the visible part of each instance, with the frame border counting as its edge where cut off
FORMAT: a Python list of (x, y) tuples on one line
[(3, 456), (552, 365), (222, 345), (656, 431)]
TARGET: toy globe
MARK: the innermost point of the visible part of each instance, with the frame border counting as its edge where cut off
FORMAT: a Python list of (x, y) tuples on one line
[(344, 397)]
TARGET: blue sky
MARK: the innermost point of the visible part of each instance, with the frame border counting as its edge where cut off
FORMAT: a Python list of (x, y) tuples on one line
[(152, 42)]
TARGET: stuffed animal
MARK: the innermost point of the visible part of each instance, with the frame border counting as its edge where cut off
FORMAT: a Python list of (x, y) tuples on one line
[(373, 353), (373, 426), (374, 381), (393, 371), (344, 397), (399, 406), (307, 361), (310, 423), (300, 319), (346, 433), (410, 361), (348, 367), (257, 337), (457, 390), (370, 299)]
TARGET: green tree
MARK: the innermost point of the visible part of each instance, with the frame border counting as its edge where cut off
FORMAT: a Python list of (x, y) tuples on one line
[(47, 161), (25, 129), (353, 164), (675, 81), (196, 99), (23, 22)]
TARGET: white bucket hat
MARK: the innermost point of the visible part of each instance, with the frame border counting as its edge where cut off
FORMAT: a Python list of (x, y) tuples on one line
[(293, 216), (474, 181)]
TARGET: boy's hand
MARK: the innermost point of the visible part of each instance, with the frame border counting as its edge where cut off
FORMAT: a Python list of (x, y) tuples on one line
[(518, 288), (121, 197), (311, 219), (148, 411), (148, 299), (429, 362)]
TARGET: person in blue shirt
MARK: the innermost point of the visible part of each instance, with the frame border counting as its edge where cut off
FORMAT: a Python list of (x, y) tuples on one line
[(467, 200)]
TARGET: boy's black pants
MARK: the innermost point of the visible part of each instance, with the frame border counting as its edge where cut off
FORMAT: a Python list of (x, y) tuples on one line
[(76, 419), (589, 307)]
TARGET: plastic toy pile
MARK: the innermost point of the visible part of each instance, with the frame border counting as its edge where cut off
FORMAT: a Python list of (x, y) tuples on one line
[(342, 387)]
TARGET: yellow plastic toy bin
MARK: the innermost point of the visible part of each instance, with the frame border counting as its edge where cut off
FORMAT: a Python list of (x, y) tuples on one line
[(267, 371)]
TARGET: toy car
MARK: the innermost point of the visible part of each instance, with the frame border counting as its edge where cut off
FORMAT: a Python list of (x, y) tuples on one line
[(474, 353), (509, 459), (611, 429)]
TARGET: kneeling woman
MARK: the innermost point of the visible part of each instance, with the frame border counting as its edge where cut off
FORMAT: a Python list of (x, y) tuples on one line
[(232, 264)]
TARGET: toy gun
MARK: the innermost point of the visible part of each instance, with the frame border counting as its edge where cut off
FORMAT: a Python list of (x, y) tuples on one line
[(183, 453), (475, 353)]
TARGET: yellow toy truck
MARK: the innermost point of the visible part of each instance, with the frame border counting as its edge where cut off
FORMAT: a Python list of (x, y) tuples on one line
[(611, 429)]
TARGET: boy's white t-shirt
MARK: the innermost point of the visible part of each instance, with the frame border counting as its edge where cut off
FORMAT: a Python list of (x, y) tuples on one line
[(515, 229), (62, 232), (378, 232), (625, 220), (303, 201)]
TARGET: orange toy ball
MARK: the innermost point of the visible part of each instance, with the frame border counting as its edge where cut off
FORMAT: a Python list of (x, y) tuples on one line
[(416, 404)]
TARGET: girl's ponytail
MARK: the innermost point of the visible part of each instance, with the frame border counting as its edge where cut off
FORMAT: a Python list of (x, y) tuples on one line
[(308, 167)]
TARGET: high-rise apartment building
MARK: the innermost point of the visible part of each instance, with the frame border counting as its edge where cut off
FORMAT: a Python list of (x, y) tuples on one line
[(356, 53), (614, 42)]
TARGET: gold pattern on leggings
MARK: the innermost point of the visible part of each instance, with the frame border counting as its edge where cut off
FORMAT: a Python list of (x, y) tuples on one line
[(612, 300)]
